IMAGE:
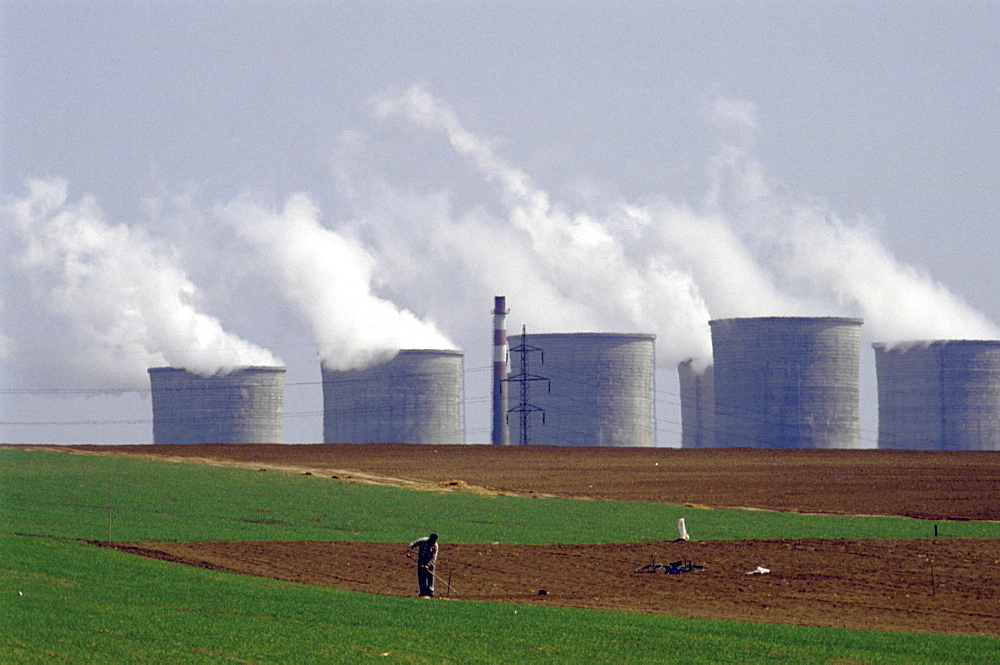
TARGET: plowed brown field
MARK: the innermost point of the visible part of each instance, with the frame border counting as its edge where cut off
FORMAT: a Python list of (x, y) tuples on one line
[(944, 586)]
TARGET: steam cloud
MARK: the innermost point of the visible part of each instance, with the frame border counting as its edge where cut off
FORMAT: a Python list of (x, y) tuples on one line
[(608, 265), (669, 267), (846, 263), (126, 303), (328, 277), (812, 250), (580, 256)]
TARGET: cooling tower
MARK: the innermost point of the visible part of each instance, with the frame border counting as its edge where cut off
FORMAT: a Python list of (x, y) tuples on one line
[(697, 406), (601, 389), (942, 395), (244, 406), (786, 382), (414, 398)]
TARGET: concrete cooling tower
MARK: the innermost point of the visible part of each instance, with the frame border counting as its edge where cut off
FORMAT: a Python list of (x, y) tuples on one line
[(942, 395), (786, 382), (414, 398), (601, 389), (697, 406), (244, 406)]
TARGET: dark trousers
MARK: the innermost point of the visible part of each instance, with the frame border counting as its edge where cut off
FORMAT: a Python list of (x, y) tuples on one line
[(425, 579)]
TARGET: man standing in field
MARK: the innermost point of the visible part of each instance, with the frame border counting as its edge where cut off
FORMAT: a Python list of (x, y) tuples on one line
[(427, 554)]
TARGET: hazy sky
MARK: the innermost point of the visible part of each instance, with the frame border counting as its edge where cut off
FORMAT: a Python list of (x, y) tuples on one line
[(207, 184)]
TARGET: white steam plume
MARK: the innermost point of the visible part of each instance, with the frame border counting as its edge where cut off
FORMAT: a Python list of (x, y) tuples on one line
[(328, 276), (848, 263), (580, 256), (813, 251), (728, 275), (668, 268), (126, 303)]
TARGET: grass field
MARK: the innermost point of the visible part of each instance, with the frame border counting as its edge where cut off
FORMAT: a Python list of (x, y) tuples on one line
[(66, 601)]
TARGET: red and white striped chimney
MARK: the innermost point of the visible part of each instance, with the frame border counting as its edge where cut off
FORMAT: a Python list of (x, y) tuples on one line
[(501, 432)]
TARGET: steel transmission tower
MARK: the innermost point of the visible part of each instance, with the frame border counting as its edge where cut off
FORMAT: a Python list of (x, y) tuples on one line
[(525, 408)]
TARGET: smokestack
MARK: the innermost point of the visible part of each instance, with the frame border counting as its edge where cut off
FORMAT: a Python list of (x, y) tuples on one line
[(501, 431)]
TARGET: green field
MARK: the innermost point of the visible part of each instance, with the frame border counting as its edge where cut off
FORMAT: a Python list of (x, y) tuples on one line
[(66, 601)]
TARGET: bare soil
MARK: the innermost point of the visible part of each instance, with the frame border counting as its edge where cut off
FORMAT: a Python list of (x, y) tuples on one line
[(939, 586), (928, 485)]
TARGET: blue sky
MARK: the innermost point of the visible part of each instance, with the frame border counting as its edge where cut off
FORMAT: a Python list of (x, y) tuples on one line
[(607, 166)]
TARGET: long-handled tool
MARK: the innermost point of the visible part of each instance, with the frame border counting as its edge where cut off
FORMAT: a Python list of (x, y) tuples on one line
[(441, 579), (436, 576)]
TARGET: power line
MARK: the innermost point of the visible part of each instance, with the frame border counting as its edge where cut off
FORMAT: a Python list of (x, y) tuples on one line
[(576, 407)]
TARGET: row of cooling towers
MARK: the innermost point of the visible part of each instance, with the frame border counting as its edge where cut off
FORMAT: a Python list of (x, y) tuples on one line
[(792, 382), (774, 382), (597, 391)]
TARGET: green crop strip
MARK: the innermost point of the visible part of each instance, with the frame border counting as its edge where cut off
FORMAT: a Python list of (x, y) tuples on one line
[(65, 601), (84, 496)]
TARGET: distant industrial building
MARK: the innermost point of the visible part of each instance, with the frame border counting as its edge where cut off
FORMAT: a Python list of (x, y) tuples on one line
[(416, 397), (940, 395), (243, 406), (786, 382), (697, 405), (582, 389)]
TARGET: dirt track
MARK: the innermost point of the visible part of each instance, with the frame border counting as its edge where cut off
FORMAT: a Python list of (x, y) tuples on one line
[(944, 586)]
